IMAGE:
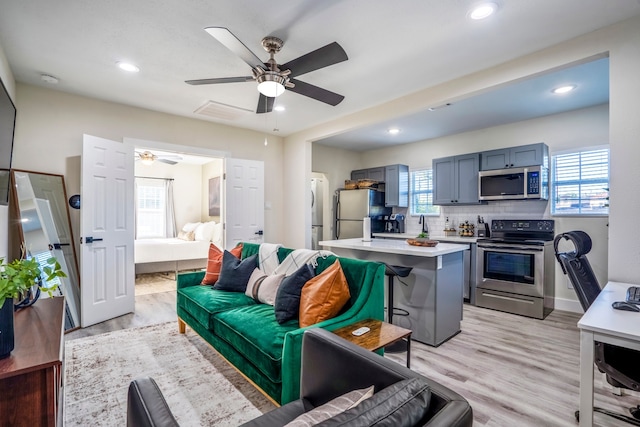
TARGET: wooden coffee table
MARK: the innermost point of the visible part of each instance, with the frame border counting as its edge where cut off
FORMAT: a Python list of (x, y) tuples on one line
[(380, 335)]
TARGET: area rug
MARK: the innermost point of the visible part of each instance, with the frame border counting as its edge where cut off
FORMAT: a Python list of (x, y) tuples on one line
[(200, 387), (151, 283)]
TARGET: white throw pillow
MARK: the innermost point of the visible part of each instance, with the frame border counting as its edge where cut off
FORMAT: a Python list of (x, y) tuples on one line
[(204, 231), (263, 288), (332, 408), (190, 226)]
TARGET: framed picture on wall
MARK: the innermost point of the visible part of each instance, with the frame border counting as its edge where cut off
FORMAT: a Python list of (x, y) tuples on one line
[(214, 196)]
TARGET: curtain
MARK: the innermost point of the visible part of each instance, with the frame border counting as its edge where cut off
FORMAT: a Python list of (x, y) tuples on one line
[(170, 215)]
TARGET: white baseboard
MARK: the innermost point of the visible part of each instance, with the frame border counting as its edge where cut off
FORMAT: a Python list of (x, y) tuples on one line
[(568, 305)]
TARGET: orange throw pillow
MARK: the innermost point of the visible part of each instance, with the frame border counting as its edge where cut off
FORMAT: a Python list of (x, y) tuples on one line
[(323, 296), (214, 263)]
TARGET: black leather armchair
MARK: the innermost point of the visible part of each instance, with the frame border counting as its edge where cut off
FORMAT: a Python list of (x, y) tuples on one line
[(619, 364), (331, 367)]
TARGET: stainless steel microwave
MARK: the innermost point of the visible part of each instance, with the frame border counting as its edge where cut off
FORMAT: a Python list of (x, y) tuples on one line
[(528, 183)]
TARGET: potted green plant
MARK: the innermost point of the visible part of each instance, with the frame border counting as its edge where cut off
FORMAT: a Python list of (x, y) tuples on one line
[(17, 278)]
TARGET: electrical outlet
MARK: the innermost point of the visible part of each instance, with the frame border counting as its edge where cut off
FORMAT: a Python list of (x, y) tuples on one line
[(569, 285)]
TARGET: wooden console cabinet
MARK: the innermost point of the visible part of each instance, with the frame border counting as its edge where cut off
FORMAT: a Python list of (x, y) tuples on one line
[(31, 377)]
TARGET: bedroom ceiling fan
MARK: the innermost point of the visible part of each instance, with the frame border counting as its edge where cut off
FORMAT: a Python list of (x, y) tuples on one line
[(274, 78), (147, 158)]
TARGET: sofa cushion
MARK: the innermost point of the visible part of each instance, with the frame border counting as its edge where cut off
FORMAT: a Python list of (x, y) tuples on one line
[(254, 332), (404, 403), (262, 287), (202, 302), (214, 263), (235, 273), (323, 296), (287, 303)]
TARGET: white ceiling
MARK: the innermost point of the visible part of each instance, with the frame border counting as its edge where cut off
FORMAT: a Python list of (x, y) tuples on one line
[(407, 45)]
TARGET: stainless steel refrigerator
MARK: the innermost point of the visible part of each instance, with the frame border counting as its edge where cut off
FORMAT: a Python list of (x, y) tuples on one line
[(354, 205)]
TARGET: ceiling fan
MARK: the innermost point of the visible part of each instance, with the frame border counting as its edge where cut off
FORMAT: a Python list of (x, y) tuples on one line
[(273, 78), (147, 158)]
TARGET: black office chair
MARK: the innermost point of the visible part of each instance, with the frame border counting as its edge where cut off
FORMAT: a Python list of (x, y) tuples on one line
[(621, 365)]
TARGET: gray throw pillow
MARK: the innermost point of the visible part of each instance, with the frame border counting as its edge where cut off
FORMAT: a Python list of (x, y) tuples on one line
[(235, 273), (404, 403)]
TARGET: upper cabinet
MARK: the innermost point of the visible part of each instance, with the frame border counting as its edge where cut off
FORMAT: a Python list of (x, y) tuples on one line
[(514, 157), (396, 186), (396, 182), (376, 174), (455, 180)]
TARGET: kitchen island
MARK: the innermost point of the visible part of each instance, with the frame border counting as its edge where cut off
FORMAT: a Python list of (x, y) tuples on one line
[(432, 293)]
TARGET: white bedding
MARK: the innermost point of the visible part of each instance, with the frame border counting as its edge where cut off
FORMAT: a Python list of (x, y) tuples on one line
[(172, 249)]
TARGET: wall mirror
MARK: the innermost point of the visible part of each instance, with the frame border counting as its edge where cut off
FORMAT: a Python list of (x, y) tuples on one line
[(45, 227)]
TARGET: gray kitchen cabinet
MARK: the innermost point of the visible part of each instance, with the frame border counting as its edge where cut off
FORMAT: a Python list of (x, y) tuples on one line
[(396, 182), (396, 186), (376, 174), (455, 180), (514, 157), (358, 174)]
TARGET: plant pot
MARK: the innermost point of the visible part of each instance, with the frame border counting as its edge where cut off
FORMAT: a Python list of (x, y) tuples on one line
[(6, 328)]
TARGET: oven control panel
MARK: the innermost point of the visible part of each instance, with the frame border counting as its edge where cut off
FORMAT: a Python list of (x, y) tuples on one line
[(544, 225)]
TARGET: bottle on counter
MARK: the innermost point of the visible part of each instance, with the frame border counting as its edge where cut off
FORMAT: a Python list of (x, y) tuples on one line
[(447, 224)]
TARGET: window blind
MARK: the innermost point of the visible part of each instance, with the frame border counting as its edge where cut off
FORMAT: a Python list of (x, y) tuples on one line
[(422, 193), (580, 184)]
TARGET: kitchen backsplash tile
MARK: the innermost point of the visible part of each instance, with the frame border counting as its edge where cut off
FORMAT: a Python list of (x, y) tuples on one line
[(493, 210)]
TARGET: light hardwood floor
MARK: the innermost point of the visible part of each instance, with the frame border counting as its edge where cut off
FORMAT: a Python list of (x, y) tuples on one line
[(513, 370)]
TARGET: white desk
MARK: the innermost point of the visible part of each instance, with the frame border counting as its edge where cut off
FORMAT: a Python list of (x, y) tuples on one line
[(602, 323)]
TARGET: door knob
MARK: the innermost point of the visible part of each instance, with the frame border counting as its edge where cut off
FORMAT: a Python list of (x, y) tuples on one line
[(90, 240), (259, 232)]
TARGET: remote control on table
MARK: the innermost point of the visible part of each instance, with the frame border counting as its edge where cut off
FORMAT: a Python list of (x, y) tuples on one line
[(360, 331)]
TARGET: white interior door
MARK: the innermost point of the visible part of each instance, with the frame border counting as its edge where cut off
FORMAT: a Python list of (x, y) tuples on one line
[(243, 201), (107, 229)]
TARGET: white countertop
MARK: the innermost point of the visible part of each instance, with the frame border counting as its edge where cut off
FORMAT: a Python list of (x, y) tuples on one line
[(404, 236), (394, 246)]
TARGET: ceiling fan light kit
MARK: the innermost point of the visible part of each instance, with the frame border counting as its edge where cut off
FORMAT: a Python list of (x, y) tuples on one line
[(274, 79)]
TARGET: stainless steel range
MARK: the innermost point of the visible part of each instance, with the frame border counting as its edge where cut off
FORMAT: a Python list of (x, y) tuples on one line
[(515, 268)]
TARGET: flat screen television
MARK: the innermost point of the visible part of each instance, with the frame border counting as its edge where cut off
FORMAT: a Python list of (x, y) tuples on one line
[(7, 126)]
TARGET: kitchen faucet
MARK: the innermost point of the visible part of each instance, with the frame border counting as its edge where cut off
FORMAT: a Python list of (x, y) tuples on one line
[(425, 229)]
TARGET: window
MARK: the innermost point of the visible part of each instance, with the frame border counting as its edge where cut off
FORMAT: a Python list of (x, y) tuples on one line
[(580, 183), (150, 204), (422, 193)]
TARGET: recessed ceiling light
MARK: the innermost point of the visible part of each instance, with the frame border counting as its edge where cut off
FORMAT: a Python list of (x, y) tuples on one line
[(393, 131), (563, 89), (483, 10), (279, 108), (128, 67)]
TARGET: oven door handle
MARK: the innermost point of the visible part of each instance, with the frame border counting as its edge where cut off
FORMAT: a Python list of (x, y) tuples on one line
[(511, 248)]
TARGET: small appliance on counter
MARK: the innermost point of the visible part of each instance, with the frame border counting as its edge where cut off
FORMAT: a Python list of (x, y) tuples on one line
[(394, 223)]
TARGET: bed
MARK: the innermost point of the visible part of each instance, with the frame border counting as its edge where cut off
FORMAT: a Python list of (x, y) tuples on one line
[(178, 253)]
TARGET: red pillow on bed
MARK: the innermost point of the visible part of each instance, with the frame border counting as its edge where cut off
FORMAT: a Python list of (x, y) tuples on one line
[(214, 263)]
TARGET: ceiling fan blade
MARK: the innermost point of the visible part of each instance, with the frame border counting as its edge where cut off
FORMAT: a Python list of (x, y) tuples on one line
[(167, 161), (330, 54), (232, 43), (265, 104), (316, 92), (220, 80)]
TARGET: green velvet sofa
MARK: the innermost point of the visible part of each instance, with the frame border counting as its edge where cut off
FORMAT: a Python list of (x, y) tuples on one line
[(247, 334)]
